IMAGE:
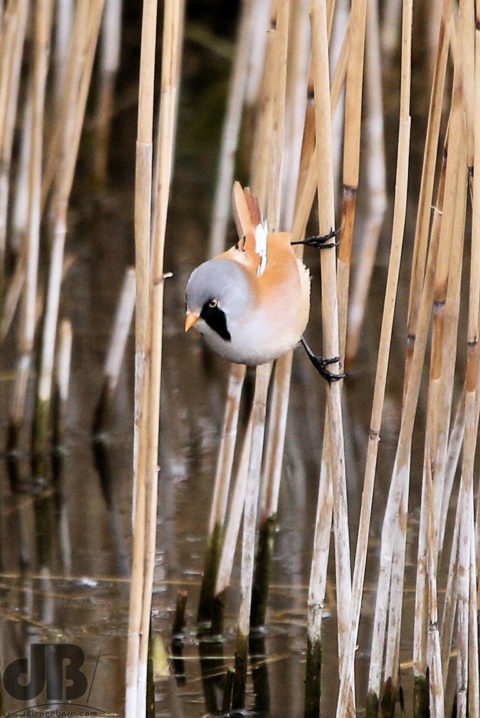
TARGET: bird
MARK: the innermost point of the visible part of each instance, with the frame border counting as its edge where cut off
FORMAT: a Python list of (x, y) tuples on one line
[(251, 303)]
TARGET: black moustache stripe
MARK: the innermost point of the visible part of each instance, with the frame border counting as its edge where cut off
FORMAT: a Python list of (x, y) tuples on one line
[(216, 320)]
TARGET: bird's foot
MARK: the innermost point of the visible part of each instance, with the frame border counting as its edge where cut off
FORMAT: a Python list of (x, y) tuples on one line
[(320, 363), (321, 241)]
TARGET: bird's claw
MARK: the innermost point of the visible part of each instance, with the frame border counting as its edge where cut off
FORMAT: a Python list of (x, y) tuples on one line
[(321, 241), (320, 363)]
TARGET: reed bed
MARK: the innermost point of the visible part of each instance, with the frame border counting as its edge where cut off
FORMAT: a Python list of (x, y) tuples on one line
[(284, 93), (435, 290)]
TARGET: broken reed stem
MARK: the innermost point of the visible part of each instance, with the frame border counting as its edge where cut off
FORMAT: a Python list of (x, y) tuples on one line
[(334, 433), (249, 531), (220, 495), (375, 177), (231, 131), (110, 42), (82, 57), (171, 55), (398, 229), (116, 350), (62, 379), (143, 206), (43, 22)]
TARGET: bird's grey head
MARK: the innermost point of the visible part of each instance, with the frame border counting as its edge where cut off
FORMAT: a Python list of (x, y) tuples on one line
[(219, 291)]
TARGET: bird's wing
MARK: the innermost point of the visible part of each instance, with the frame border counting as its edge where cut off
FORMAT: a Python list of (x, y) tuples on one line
[(251, 228)]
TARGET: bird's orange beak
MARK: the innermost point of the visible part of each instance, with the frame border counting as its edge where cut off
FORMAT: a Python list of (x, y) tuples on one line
[(191, 319)]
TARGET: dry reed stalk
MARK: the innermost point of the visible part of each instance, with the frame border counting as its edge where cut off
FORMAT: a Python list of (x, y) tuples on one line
[(11, 53), (281, 384), (323, 522), (116, 350), (225, 564), (64, 118), (63, 26), (108, 67), (435, 682), (336, 457), (19, 214), (465, 564), (337, 39), (171, 55), (250, 44), (231, 131), (261, 14), (398, 229), (298, 65), (249, 529), (62, 379), (376, 183), (262, 145), (428, 176), (85, 32), (278, 90), (267, 183), (391, 15), (218, 229), (220, 494), (444, 338), (393, 533), (453, 455), (12, 297), (450, 600), (275, 440), (467, 639), (473, 659), (440, 396), (143, 204), (351, 158), (232, 529), (142, 218), (43, 22)]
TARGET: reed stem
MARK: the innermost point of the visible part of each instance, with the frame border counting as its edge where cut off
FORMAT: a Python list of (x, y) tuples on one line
[(116, 350)]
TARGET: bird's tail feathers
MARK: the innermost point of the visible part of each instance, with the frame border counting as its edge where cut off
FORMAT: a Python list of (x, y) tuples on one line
[(251, 226)]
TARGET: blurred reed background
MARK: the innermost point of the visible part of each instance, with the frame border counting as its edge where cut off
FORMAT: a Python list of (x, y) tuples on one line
[(326, 118)]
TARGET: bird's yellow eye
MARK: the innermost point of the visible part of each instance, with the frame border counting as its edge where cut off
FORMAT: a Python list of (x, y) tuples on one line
[(213, 303)]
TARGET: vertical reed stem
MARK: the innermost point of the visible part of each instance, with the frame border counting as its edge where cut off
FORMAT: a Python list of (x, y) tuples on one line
[(43, 20), (143, 208), (249, 530)]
